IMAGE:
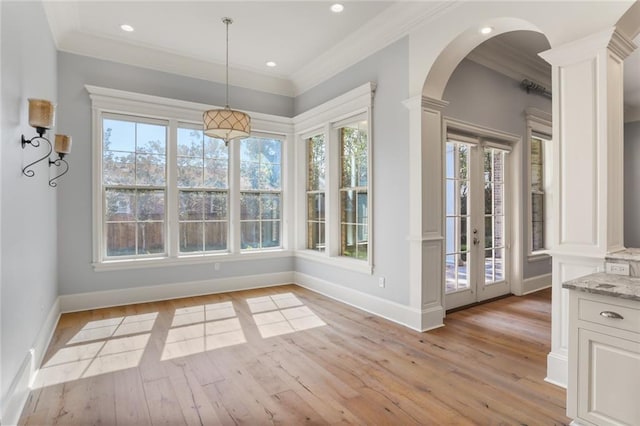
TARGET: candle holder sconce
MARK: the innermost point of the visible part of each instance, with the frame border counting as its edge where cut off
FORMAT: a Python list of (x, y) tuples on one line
[(42, 117)]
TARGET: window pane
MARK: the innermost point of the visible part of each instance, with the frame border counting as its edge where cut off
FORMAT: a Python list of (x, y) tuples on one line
[(249, 206), (190, 143), (119, 168), (463, 161), (362, 207), (119, 135), (271, 234), (270, 176), (249, 175), (215, 205), (270, 206), (488, 232), (215, 148), (191, 205), (315, 206), (316, 236), (191, 237), (347, 200), (190, 170), (215, 236), (215, 173), (250, 150), (120, 205), (150, 237), (249, 235), (316, 162), (151, 138), (121, 239), (150, 169), (150, 205)]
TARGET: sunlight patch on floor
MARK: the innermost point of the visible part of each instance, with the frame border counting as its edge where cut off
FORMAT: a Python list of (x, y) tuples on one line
[(101, 346)]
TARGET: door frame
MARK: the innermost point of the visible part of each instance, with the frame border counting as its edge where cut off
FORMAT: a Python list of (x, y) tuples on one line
[(513, 190)]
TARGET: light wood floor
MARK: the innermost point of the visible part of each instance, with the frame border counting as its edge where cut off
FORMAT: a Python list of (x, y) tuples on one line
[(289, 356)]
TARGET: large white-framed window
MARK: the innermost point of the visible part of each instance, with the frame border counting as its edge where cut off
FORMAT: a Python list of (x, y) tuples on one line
[(260, 193), (316, 162), (164, 193), (539, 181), (353, 139), (334, 186), (134, 183), (203, 191)]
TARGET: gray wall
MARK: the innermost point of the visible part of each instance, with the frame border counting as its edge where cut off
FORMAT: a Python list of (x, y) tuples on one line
[(389, 69), (484, 97), (28, 277), (76, 275), (632, 184)]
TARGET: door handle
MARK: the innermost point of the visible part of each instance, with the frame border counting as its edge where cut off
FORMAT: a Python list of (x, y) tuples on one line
[(476, 241)]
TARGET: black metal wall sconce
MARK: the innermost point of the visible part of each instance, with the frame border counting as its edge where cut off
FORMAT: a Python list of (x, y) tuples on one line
[(42, 118)]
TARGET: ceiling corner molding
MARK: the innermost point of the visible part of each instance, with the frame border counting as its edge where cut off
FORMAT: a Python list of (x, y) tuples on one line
[(61, 18), (504, 59), (389, 26)]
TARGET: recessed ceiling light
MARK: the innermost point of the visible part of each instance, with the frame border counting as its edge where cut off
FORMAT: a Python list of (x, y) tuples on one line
[(271, 64), (337, 8), (486, 30), (126, 27)]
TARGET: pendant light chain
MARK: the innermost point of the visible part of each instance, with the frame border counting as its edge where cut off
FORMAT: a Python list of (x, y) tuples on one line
[(227, 21)]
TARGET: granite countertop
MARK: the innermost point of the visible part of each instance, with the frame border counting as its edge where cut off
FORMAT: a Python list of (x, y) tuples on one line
[(607, 284), (629, 254)]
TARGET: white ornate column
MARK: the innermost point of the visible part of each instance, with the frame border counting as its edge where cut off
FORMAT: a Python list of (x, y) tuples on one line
[(426, 218), (587, 169)]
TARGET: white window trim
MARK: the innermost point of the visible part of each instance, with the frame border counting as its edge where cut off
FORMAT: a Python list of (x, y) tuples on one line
[(112, 101), (326, 118), (538, 122)]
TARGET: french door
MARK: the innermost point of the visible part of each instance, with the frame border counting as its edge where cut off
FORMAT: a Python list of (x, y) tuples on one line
[(476, 266)]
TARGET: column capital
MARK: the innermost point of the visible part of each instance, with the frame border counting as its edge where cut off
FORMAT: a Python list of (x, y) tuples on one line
[(587, 47)]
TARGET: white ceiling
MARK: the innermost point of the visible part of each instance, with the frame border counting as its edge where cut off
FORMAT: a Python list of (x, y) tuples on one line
[(302, 37)]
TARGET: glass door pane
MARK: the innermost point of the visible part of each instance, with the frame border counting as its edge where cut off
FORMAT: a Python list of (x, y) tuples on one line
[(494, 216), (457, 220)]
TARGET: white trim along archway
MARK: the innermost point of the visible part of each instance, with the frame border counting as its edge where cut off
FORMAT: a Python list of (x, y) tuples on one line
[(435, 49)]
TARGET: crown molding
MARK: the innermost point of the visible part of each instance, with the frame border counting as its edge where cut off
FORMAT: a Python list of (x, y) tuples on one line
[(621, 45), (389, 26), (508, 60)]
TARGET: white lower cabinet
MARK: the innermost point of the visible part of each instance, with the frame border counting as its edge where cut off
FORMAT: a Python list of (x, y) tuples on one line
[(604, 360)]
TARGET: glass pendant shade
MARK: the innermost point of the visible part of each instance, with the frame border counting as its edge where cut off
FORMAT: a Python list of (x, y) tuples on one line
[(226, 124)]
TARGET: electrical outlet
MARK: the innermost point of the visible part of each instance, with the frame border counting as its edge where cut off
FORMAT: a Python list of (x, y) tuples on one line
[(381, 282), (216, 266), (617, 268)]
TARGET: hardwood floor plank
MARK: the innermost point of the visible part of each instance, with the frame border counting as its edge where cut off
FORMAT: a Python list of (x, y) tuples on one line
[(285, 355)]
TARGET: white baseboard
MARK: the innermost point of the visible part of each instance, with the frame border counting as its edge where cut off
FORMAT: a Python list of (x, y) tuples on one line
[(18, 393), (533, 284), (557, 369), (109, 298), (396, 312)]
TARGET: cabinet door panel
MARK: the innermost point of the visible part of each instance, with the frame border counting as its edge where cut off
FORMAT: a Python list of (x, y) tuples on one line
[(608, 379)]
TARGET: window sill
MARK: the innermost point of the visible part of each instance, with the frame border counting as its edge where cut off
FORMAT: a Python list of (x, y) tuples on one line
[(337, 261), (202, 259)]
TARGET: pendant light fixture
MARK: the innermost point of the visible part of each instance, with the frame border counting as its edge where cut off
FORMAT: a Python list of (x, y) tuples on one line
[(226, 124)]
